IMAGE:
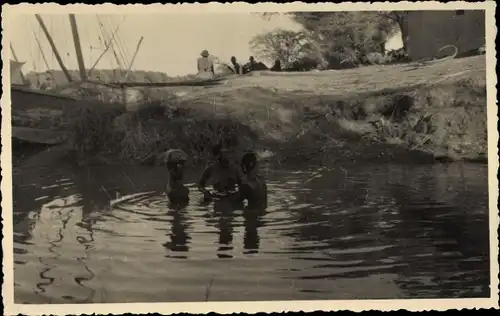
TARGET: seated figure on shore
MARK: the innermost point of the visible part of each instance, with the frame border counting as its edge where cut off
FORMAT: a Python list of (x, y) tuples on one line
[(276, 66), (176, 191), (48, 84), (223, 174), (254, 187), (253, 65), (248, 67), (236, 66), (206, 65)]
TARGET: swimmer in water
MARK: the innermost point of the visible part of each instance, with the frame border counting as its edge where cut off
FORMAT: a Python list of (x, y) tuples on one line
[(176, 191), (223, 175), (254, 188)]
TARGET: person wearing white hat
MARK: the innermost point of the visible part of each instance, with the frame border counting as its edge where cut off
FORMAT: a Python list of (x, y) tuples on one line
[(206, 65)]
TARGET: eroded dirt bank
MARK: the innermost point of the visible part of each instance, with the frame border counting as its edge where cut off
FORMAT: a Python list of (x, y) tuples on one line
[(355, 115)]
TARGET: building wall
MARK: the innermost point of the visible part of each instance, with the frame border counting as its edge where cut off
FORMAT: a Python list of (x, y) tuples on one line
[(428, 31)]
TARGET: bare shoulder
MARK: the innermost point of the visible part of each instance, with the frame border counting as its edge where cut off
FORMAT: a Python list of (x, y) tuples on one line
[(210, 167), (237, 169)]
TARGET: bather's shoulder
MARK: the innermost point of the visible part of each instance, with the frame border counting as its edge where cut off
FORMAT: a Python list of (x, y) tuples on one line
[(210, 167)]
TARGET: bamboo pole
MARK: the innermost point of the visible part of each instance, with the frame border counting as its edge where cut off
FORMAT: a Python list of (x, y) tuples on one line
[(54, 48), (78, 48)]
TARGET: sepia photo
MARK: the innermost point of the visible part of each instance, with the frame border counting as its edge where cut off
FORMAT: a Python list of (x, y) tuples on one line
[(249, 158)]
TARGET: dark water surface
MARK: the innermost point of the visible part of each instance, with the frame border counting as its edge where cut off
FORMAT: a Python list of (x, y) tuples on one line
[(107, 235)]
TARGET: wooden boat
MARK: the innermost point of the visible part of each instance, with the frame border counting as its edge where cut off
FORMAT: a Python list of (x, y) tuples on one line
[(41, 116)]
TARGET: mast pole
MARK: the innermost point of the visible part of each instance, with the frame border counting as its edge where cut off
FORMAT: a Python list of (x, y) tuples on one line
[(78, 48), (103, 33), (106, 48), (54, 48), (133, 58), (41, 51)]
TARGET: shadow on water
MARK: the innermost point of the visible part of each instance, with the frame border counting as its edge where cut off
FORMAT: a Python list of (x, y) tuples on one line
[(430, 227), (225, 226), (253, 220), (179, 238), (101, 234)]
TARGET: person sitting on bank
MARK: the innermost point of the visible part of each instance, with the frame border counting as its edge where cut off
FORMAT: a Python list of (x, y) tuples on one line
[(252, 61), (253, 65), (236, 66), (248, 67), (48, 84), (276, 66), (223, 175), (206, 64)]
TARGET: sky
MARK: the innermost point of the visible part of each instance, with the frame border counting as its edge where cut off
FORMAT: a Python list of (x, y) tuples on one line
[(171, 44)]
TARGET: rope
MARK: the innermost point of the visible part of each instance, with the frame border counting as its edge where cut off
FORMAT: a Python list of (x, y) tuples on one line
[(52, 32), (32, 55), (66, 56), (121, 46), (105, 40), (103, 44), (126, 53), (115, 47)]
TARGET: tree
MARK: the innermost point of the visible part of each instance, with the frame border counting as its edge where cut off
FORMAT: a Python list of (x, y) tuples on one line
[(287, 46), (348, 34), (363, 29), (400, 19), (388, 22)]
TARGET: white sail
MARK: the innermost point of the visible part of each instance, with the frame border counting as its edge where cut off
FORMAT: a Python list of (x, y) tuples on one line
[(15, 72)]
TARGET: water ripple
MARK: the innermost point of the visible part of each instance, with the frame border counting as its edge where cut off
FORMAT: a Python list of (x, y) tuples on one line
[(101, 235)]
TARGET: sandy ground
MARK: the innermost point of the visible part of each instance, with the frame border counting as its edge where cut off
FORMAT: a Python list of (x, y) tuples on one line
[(352, 81)]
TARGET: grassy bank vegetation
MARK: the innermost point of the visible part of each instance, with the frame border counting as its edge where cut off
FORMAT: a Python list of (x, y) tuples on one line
[(353, 115), (445, 122), (117, 137)]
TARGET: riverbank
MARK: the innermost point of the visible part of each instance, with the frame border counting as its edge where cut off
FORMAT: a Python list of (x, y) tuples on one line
[(404, 113)]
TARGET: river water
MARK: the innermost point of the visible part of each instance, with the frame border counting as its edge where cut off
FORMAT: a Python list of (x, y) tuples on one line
[(106, 235)]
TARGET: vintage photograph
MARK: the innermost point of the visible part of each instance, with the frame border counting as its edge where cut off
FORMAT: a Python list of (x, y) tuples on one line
[(280, 155)]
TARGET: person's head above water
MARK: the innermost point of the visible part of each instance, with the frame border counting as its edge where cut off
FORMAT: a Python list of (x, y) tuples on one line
[(204, 53), (176, 159), (176, 156), (221, 154), (251, 59), (248, 162)]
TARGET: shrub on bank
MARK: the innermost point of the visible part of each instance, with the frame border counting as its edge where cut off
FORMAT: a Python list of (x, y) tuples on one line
[(143, 136), (92, 130), (447, 119)]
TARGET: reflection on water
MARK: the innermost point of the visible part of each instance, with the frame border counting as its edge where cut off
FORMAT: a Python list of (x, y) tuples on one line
[(108, 235)]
